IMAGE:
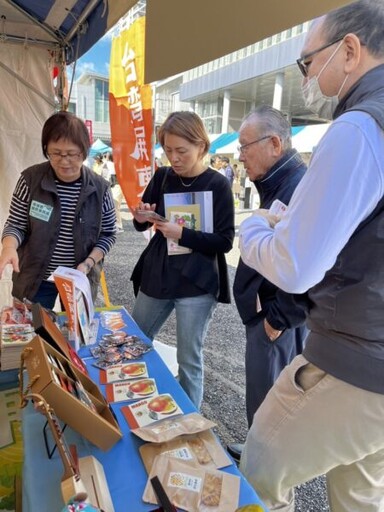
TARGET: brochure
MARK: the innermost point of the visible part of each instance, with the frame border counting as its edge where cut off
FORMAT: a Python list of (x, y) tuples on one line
[(75, 292), (150, 410), (121, 372), (130, 390), (193, 210)]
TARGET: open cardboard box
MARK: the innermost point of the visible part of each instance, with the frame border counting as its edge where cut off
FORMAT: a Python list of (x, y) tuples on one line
[(45, 327), (75, 398)]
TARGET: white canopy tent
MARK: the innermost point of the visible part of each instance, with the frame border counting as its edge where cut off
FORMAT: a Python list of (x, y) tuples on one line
[(40, 35), (304, 139)]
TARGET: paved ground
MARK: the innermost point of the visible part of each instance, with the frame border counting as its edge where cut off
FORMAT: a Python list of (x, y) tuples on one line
[(224, 400)]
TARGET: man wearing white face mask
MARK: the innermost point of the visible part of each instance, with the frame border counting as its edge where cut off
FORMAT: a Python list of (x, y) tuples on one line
[(325, 413), (322, 105)]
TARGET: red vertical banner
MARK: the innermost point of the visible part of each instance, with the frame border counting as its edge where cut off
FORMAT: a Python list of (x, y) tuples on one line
[(88, 124), (130, 106)]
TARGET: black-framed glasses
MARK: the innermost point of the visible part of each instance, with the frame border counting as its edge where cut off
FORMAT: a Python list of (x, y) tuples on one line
[(70, 156), (305, 66), (243, 148)]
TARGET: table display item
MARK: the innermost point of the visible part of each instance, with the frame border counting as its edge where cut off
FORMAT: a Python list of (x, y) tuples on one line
[(201, 449), (76, 399), (14, 338), (192, 488), (112, 320), (121, 372), (169, 429), (133, 390), (150, 410), (46, 328), (15, 332), (113, 350), (75, 292)]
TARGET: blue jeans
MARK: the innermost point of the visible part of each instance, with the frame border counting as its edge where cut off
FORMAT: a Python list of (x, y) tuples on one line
[(193, 315), (46, 295)]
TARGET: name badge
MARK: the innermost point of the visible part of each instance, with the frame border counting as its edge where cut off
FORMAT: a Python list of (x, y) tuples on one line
[(40, 211)]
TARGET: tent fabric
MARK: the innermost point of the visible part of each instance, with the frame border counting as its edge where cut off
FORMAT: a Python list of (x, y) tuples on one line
[(223, 140), (308, 137), (73, 25), (188, 41), (304, 139), (99, 147), (22, 115)]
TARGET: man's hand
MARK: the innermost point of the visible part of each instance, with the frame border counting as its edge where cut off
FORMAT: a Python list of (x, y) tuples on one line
[(272, 333), (272, 219)]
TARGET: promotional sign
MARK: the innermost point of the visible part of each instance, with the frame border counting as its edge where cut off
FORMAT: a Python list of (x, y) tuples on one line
[(130, 103), (88, 124)]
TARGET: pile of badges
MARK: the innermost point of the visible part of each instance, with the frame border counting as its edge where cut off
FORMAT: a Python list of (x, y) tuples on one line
[(118, 348)]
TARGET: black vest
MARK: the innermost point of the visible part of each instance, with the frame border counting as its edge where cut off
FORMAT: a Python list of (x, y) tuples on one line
[(37, 248)]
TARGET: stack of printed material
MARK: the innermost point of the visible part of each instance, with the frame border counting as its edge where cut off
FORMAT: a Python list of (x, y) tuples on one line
[(13, 340), (15, 331)]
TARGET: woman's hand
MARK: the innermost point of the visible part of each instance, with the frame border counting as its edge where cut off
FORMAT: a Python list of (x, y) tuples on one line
[(170, 229), (142, 206), (84, 267), (9, 255)]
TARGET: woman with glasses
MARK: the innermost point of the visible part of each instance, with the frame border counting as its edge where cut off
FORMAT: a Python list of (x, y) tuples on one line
[(193, 282), (61, 214)]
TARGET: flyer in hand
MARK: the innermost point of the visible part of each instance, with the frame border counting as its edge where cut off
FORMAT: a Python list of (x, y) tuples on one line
[(192, 210), (150, 410)]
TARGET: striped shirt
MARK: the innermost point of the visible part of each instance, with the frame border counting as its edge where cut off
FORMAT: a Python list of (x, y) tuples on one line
[(64, 252)]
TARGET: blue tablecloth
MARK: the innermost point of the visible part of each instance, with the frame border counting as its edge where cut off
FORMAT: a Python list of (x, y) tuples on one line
[(122, 464)]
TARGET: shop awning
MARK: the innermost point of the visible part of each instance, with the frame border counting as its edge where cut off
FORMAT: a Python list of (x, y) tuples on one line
[(222, 140), (181, 35)]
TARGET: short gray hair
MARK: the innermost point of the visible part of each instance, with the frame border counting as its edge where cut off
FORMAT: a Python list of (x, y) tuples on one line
[(271, 122), (364, 18)]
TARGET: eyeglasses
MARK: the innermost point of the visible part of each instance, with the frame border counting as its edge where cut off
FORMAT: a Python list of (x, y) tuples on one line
[(71, 156), (243, 148), (304, 67)]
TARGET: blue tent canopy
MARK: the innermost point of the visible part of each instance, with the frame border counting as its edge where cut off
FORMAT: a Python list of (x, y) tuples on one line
[(99, 147), (222, 140), (52, 23)]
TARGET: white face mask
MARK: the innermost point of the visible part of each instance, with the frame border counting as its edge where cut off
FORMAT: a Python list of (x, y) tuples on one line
[(322, 105)]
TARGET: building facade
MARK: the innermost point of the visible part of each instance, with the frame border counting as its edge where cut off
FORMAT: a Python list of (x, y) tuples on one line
[(222, 92)]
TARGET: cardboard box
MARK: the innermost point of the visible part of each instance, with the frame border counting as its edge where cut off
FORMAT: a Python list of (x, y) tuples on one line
[(46, 328), (74, 397)]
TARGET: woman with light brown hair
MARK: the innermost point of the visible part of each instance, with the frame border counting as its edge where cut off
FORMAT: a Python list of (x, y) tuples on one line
[(193, 281)]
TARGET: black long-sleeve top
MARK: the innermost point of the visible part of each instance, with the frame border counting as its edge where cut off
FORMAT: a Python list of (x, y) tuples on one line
[(204, 269)]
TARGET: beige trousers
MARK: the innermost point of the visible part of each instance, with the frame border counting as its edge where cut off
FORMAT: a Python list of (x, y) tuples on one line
[(312, 424)]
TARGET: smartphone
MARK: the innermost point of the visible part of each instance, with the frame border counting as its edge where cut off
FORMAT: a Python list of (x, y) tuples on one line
[(152, 216)]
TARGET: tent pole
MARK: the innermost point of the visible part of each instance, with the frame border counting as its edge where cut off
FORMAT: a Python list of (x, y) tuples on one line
[(62, 89)]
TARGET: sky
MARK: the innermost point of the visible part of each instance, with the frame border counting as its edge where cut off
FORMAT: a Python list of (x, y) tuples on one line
[(96, 59)]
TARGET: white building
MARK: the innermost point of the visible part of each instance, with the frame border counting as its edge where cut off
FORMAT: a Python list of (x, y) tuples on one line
[(222, 92)]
